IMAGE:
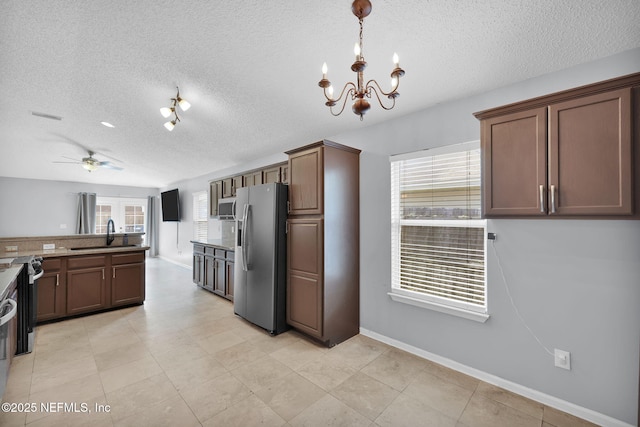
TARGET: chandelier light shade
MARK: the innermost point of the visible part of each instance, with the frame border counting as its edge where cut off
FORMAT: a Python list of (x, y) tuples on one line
[(360, 91), (168, 111)]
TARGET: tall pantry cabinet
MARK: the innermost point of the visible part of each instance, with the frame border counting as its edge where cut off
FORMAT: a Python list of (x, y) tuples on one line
[(323, 265)]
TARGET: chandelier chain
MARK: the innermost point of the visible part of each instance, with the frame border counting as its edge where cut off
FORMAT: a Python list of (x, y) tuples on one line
[(361, 20)]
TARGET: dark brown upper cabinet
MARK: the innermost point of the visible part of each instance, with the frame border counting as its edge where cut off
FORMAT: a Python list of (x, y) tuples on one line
[(569, 154), (514, 151), (590, 160), (306, 169), (252, 178)]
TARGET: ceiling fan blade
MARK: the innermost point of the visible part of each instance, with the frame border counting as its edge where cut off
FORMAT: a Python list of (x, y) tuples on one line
[(72, 141), (109, 165), (71, 158), (75, 163)]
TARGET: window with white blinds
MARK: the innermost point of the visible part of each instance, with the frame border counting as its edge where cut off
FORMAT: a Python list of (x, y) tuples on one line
[(200, 215), (438, 236)]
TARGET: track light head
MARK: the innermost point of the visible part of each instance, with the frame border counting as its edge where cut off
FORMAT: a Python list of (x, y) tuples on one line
[(184, 104), (168, 111)]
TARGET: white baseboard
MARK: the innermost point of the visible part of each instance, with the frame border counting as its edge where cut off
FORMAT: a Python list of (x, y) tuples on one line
[(554, 402), (179, 264)]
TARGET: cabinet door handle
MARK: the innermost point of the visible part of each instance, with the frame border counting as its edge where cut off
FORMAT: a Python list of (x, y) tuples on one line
[(553, 199), (57, 279), (114, 272), (542, 198), (103, 274)]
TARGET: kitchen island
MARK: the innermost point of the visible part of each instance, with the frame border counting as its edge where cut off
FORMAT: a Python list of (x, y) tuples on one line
[(82, 274)]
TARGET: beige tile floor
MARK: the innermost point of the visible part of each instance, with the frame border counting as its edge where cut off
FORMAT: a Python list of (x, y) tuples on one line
[(184, 359)]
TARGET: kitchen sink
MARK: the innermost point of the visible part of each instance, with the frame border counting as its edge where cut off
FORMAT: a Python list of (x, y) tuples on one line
[(102, 247)]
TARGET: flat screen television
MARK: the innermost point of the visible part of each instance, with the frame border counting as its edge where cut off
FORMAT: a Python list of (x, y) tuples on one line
[(170, 205)]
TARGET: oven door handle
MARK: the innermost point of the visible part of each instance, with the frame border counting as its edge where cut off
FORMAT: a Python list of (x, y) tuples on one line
[(11, 314)]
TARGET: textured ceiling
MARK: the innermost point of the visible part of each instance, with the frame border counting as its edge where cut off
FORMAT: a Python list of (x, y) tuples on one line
[(250, 70)]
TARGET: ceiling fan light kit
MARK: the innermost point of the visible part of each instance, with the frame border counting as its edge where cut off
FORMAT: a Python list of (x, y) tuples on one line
[(168, 111), (358, 91), (91, 164)]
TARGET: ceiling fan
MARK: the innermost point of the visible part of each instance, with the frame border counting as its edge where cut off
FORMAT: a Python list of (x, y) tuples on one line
[(91, 163)]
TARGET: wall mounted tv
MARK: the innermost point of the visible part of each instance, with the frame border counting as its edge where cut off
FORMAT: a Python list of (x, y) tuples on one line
[(170, 205)]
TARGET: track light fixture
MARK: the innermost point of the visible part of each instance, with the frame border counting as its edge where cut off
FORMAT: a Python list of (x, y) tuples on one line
[(359, 91), (168, 111)]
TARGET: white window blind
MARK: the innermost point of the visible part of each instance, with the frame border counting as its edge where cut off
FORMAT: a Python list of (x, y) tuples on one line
[(200, 215), (438, 236)]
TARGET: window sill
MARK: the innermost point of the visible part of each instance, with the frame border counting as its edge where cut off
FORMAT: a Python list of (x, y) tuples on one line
[(471, 315)]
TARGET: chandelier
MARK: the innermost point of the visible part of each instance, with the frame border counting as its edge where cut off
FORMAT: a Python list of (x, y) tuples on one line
[(167, 111), (359, 91)]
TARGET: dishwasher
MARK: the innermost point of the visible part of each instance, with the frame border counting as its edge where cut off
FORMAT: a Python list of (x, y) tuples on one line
[(8, 333)]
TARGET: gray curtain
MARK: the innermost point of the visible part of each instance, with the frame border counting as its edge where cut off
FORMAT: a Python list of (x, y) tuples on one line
[(86, 223), (152, 225)]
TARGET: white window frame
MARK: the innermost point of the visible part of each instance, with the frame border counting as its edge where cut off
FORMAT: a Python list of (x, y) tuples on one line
[(200, 205), (432, 302), (118, 210)]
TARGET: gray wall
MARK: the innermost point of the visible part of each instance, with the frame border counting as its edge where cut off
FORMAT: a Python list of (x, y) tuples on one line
[(32, 207), (175, 238), (575, 282)]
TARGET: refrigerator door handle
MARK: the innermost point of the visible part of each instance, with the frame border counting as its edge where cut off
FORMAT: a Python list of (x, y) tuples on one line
[(243, 243)]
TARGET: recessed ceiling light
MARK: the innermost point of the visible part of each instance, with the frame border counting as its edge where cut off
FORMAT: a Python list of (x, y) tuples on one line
[(107, 124)]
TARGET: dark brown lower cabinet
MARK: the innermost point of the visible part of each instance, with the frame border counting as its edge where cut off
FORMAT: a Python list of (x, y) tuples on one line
[(229, 267), (86, 290), (198, 265), (127, 279), (220, 276), (305, 295), (213, 269), (304, 271), (209, 280), (84, 284), (52, 291)]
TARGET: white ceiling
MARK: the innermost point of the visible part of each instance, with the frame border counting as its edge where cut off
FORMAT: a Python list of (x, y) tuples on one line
[(250, 69)]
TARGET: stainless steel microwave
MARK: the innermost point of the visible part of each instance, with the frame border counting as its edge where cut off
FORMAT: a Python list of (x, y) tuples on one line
[(227, 209)]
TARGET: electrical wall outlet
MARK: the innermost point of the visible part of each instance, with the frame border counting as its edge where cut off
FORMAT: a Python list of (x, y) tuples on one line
[(48, 246), (562, 359)]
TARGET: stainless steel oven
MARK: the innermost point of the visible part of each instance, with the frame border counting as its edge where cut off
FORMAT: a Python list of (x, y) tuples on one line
[(27, 301), (8, 333)]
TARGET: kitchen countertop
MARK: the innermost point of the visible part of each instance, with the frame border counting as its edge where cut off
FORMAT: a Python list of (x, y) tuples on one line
[(60, 252), (7, 275), (216, 243)]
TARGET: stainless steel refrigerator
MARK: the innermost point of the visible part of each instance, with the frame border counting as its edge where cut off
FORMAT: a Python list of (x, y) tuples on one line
[(260, 256)]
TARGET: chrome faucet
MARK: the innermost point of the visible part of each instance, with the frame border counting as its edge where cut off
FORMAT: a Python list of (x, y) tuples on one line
[(111, 228)]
